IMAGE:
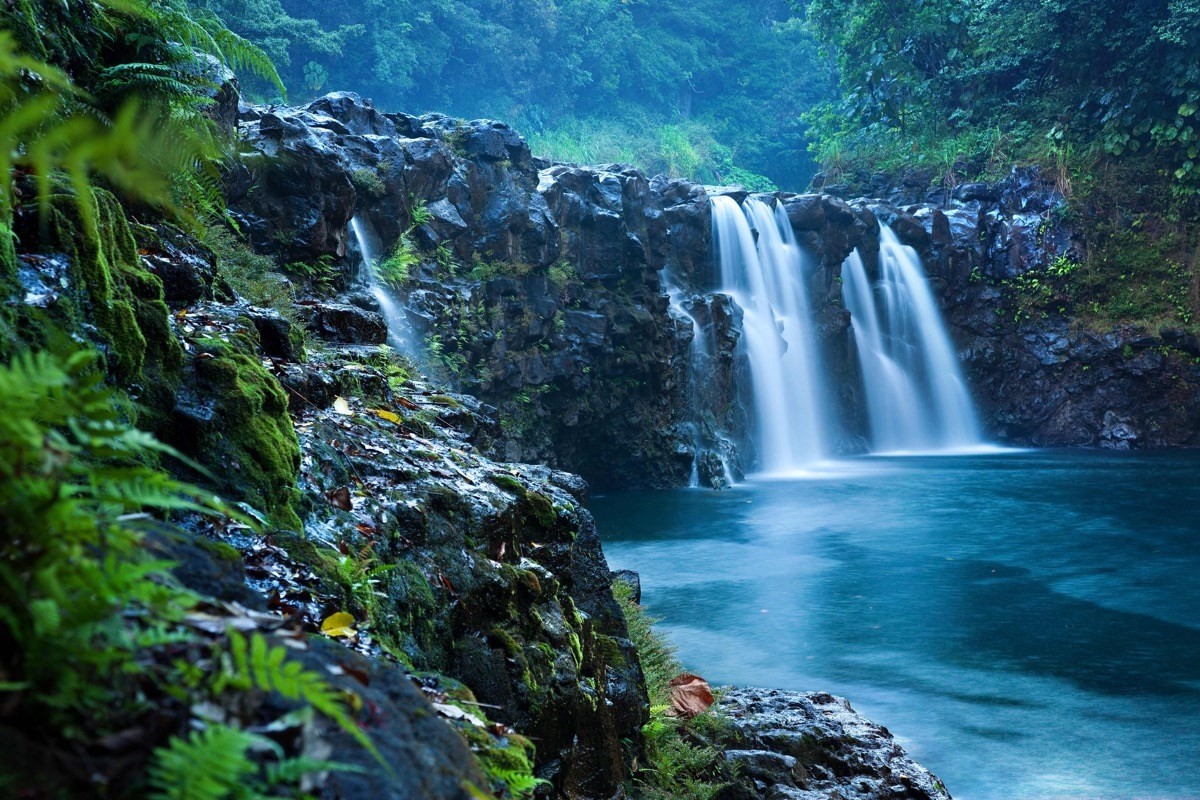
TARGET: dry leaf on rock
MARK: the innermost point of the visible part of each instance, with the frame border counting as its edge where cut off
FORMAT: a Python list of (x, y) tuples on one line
[(341, 498), (390, 416), (454, 712), (341, 406), (690, 695)]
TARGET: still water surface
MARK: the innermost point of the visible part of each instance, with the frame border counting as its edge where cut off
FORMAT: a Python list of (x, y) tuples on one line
[(1027, 624)]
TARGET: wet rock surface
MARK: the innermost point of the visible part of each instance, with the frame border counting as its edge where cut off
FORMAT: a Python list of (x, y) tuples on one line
[(1038, 376), (813, 746), (542, 290)]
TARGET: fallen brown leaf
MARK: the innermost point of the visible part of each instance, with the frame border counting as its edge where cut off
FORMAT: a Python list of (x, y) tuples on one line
[(341, 498), (690, 696)]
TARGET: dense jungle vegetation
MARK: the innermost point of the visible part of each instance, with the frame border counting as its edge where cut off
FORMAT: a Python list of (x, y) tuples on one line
[(940, 81), (708, 90)]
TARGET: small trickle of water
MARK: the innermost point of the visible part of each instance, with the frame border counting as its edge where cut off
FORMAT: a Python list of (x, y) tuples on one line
[(766, 278), (916, 397), (392, 313), (698, 353)]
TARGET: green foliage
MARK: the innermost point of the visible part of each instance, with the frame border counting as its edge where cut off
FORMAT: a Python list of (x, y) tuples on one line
[(396, 268), (89, 619), (315, 76), (257, 664), (251, 275), (120, 99), (673, 84), (680, 765), (1062, 80), (507, 762), (73, 482), (561, 274), (655, 653), (421, 215), (211, 764), (303, 49), (487, 270), (222, 761), (40, 135), (322, 275), (682, 148), (368, 183), (255, 453)]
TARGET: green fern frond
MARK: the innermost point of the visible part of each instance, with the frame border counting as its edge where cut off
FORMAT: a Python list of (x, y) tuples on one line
[(144, 79), (211, 764), (256, 663), (202, 31)]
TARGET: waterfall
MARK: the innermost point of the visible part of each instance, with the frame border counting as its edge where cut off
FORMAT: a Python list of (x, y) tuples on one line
[(766, 278), (916, 397), (393, 315)]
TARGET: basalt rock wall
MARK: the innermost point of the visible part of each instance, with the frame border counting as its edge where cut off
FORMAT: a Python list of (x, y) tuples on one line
[(543, 290), (538, 288), (1041, 373)]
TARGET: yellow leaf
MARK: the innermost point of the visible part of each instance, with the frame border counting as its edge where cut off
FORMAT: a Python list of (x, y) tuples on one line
[(390, 416), (339, 624), (341, 406)]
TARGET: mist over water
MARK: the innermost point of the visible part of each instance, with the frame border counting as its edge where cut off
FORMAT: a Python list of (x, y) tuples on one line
[(1027, 624)]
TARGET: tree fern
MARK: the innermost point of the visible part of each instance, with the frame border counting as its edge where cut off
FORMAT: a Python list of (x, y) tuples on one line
[(139, 125), (202, 31)]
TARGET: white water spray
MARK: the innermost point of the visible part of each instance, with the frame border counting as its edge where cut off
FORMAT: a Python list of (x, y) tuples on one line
[(766, 278), (916, 396), (393, 315)]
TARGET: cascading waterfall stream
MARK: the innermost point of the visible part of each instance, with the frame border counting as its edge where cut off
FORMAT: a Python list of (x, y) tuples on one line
[(393, 315), (766, 278), (916, 397)]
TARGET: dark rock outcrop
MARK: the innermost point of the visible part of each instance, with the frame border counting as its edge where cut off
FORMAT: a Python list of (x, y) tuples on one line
[(813, 746), (1039, 377), (543, 290)]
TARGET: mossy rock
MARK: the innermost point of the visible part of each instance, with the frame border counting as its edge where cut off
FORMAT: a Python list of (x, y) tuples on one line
[(410, 618), (112, 299), (509, 484), (250, 443)]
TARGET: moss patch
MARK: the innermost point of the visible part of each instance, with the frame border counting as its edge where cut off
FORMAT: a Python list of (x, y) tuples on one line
[(251, 445), (112, 300)]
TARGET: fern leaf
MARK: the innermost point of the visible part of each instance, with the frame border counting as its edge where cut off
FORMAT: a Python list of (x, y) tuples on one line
[(209, 765), (269, 669)]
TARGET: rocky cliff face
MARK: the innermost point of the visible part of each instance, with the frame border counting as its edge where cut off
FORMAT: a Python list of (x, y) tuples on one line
[(580, 301), (541, 289), (1039, 372)]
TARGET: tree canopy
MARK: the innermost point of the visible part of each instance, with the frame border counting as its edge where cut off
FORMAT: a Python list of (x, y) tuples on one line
[(1027, 76), (708, 89)]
